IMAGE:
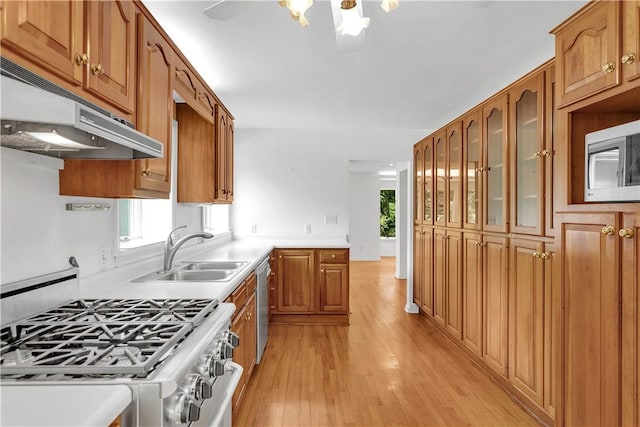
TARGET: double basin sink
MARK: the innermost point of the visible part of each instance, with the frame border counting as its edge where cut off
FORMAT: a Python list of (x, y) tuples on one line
[(213, 271)]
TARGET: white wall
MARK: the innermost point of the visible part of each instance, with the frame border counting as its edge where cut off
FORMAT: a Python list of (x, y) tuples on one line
[(286, 178), (364, 219)]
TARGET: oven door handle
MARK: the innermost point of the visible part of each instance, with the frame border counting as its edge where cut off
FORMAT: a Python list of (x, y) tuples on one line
[(227, 393)]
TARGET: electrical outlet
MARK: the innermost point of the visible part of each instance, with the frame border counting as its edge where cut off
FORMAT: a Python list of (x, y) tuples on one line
[(254, 228), (307, 229), (331, 219), (103, 261)]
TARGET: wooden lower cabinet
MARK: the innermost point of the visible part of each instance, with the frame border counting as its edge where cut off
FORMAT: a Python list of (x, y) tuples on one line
[(526, 318), (472, 268), (495, 303), (244, 325), (439, 274), (418, 265), (591, 318), (427, 270), (312, 286), (453, 282), (552, 276)]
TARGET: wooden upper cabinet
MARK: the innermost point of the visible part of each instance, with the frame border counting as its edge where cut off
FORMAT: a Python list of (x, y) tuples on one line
[(549, 151), (418, 182), (111, 49), (588, 51), (527, 159), (427, 181), (155, 102), (440, 177), (229, 158), (192, 90), (591, 319), (222, 153), (472, 170), (630, 58), (495, 172), (48, 33), (454, 176)]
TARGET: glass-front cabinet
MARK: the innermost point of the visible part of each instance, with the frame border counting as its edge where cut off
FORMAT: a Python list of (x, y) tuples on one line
[(418, 163), (454, 175), (527, 139), (472, 164), (440, 161), (495, 169), (549, 152), (427, 177)]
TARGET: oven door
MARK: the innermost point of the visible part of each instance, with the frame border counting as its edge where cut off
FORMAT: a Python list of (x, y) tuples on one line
[(216, 412)]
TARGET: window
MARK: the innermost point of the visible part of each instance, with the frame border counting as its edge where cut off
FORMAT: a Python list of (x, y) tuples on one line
[(388, 213), (142, 222), (215, 218)]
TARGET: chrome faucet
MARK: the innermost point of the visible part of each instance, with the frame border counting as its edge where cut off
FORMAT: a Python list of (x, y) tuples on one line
[(171, 248)]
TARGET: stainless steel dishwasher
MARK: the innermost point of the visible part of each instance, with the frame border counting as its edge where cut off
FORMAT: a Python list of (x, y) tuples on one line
[(262, 273)]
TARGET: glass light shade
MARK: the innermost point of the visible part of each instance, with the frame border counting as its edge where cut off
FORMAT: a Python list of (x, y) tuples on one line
[(352, 23), (389, 5), (298, 8)]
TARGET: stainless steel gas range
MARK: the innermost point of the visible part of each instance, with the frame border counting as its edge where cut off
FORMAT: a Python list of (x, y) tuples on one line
[(174, 354)]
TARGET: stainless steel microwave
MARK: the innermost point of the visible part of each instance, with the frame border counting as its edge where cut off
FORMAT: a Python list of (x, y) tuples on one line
[(612, 164)]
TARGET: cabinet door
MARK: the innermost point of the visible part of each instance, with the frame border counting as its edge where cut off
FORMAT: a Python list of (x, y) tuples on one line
[(551, 285), (527, 132), (526, 318), (427, 171), (549, 152), (631, 40), (472, 141), (295, 281), (251, 335), (239, 326), (495, 303), (472, 292), (454, 176), (439, 274), (587, 52), (229, 159), (111, 46), (334, 288), (155, 105), (427, 270), (495, 170), (221, 155), (418, 164), (49, 33), (418, 267), (630, 319), (591, 319), (440, 161), (453, 283)]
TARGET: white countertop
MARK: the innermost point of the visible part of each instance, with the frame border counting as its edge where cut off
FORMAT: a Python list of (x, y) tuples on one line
[(72, 405)]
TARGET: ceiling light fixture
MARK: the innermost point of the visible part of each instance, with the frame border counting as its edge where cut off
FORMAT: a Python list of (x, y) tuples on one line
[(352, 22), (297, 8)]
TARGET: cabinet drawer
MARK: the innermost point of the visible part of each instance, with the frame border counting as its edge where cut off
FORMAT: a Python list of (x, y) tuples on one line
[(251, 284), (239, 296), (334, 255)]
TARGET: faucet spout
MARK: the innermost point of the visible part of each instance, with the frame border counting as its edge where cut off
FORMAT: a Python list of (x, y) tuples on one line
[(170, 248)]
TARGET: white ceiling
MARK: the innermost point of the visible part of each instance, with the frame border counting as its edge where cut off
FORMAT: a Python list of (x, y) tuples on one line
[(422, 65)]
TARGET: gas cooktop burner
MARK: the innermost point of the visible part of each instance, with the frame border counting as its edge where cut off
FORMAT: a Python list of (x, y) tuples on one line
[(99, 337)]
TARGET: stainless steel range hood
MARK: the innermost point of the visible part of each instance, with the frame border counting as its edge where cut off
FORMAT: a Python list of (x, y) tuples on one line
[(38, 120)]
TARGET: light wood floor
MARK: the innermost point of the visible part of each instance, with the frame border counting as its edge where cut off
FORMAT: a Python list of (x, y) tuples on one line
[(386, 368)]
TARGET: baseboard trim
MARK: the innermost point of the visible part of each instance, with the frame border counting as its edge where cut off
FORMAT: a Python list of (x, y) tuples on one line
[(365, 259), (311, 319)]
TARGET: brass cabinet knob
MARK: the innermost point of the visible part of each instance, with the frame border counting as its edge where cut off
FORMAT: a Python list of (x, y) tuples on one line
[(478, 244), (322, 270), (608, 230), (546, 153), (280, 257), (627, 233), (81, 58), (537, 154), (97, 69), (536, 254), (145, 172), (628, 58), (608, 67), (333, 256), (545, 255)]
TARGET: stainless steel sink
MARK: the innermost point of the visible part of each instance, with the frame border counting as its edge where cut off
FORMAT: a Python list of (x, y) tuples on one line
[(214, 265), (198, 275)]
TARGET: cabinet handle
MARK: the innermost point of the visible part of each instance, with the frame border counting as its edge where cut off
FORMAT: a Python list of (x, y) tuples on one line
[(627, 233), (536, 254), (545, 255), (484, 245), (145, 172), (608, 67), (82, 59), (608, 230), (333, 256), (322, 270), (537, 154), (546, 153), (280, 257), (478, 244), (628, 58), (97, 69)]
